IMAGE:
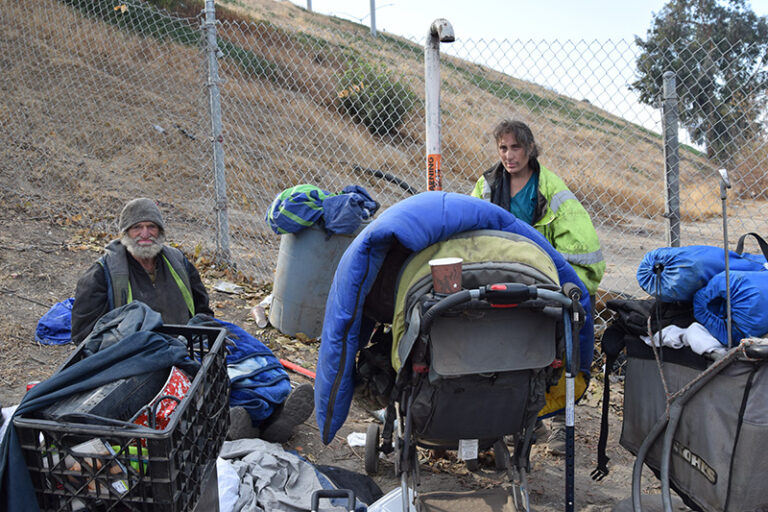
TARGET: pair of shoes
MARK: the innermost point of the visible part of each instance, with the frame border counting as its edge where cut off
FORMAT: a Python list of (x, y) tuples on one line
[(556, 439), (299, 405), (240, 425), (540, 432)]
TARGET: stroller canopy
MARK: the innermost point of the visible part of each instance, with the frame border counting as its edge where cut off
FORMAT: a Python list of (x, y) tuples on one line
[(415, 223)]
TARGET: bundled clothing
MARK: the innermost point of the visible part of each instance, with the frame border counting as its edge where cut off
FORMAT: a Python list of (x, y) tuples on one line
[(558, 215), (297, 208), (139, 350)]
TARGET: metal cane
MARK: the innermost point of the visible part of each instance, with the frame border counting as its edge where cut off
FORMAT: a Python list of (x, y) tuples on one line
[(726, 184)]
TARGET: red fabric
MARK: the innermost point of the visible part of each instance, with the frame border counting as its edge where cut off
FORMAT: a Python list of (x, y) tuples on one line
[(177, 385)]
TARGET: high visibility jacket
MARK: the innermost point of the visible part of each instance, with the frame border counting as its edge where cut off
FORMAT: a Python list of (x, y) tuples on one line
[(559, 216)]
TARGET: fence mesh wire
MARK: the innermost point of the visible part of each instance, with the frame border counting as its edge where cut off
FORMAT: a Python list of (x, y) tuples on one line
[(104, 101)]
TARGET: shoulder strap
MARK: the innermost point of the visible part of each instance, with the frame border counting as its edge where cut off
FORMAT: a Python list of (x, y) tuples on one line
[(612, 344), (762, 243)]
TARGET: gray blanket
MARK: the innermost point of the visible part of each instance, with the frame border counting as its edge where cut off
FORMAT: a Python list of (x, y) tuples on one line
[(271, 479)]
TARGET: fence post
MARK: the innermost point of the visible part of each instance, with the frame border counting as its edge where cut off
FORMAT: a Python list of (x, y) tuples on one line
[(220, 180), (373, 18), (440, 30), (671, 159)]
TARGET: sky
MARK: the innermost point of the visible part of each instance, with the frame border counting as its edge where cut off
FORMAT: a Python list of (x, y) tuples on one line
[(508, 19)]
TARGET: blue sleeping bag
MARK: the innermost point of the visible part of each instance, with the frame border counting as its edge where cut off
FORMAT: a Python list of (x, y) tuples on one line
[(686, 270), (258, 381), (749, 298), (416, 223)]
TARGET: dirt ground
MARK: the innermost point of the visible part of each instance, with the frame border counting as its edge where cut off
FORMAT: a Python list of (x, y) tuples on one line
[(41, 258)]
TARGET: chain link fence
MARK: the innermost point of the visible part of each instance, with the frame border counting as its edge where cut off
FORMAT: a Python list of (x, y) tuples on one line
[(104, 101)]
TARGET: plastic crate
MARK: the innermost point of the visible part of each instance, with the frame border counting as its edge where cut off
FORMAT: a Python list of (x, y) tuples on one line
[(160, 470)]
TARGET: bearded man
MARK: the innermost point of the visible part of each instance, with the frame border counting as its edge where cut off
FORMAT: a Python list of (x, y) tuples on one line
[(139, 266)]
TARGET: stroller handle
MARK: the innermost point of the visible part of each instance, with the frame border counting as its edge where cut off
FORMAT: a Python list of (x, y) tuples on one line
[(499, 293), (515, 293)]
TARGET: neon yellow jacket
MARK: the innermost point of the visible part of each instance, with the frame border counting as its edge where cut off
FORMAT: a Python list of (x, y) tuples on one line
[(559, 216)]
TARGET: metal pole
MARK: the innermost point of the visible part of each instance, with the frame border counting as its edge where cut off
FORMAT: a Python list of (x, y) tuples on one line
[(222, 222), (440, 30), (725, 184), (373, 18), (671, 160), (309, 5)]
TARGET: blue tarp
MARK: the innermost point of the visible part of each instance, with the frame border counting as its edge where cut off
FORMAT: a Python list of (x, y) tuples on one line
[(416, 223), (749, 306), (55, 327), (686, 270), (258, 380)]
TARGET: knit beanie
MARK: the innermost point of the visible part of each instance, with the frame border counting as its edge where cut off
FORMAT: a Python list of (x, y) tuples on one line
[(140, 210)]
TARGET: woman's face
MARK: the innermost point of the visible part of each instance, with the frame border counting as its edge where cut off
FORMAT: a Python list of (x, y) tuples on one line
[(514, 156)]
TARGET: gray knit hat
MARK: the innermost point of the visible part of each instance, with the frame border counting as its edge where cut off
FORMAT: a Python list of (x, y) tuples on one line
[(140, 210)]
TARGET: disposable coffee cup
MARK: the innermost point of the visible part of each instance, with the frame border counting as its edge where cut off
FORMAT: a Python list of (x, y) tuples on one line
[(446, 275)]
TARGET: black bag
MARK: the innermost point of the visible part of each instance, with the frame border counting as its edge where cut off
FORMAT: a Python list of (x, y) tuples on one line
[(374, 376)]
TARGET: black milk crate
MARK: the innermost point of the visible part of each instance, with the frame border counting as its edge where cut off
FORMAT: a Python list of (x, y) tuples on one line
[(158, 470)]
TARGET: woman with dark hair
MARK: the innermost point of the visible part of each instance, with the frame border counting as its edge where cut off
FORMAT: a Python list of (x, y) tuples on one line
[(534, 194)]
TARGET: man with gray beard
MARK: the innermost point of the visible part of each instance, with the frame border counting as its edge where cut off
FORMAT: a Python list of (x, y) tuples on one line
[(139, 266)]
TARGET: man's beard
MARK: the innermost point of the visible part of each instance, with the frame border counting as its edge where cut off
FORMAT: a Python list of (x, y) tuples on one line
[(143, 251)]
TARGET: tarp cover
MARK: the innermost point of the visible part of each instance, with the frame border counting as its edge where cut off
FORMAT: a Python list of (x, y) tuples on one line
[(685, 270), (55, 327), (749, 298), (416, 223)]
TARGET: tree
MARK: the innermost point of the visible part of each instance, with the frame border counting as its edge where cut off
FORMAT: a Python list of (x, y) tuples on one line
[(718, 51)]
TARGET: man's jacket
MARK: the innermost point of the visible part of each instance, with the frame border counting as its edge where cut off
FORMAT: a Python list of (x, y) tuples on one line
[(177, 292), (559, 216)]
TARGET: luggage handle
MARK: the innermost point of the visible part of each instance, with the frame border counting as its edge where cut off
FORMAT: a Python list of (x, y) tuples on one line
[(333, 493), (757, 351), (760, 241)]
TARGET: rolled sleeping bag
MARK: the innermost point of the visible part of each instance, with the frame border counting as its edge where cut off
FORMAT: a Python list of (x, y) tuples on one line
[(749, 306), (686, 270)]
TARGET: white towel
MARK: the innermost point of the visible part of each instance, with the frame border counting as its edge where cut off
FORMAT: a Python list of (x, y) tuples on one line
[(695, 336)]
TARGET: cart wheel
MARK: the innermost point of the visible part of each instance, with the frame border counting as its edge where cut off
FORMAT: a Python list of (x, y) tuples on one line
[(501, 454), (372, 449), (472, 464)]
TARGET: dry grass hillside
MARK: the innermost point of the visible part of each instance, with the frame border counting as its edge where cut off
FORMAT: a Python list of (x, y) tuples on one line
[(134, 81), (474, 95), (83, 94)]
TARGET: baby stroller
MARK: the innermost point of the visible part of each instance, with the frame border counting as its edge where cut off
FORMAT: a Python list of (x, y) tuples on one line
[(474, 366)]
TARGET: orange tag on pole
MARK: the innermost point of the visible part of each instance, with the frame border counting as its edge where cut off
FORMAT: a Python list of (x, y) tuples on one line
[(433, 172)]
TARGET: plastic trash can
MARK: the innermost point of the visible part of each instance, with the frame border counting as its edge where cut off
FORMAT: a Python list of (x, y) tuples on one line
[(306, 263)]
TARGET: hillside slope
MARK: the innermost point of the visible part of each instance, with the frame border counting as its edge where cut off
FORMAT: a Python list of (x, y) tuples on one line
[(95, 95)]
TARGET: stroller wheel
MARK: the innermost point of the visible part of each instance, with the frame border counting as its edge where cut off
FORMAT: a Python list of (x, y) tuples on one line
[(372, 449), (501, 454)]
